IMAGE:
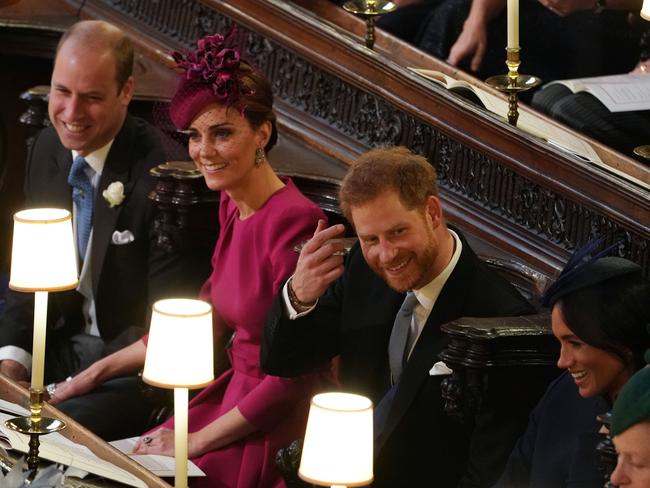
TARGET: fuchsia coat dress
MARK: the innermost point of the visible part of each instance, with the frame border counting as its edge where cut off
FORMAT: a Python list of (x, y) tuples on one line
[(252, 259)]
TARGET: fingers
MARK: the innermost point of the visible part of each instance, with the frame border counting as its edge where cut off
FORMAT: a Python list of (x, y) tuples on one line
[(14, 370), (159, 442), (477, 59), (67, 389), (558, 8), (141, 444), (455, 55), (322, 234), (318, 265)]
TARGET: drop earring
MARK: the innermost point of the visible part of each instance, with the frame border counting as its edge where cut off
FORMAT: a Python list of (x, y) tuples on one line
[(259, 157)]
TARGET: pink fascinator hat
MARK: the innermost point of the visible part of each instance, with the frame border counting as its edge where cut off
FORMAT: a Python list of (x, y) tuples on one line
[(211, 75)]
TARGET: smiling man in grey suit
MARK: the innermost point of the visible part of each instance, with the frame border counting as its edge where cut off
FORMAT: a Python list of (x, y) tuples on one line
[(407, 257), (121, 270)]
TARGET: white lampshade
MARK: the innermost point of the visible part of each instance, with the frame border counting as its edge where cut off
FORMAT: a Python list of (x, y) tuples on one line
[(645, 10), (43, 256), (180, 347), (338, 445)]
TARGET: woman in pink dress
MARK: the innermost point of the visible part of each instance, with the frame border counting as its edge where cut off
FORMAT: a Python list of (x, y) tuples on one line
[(238, 423)]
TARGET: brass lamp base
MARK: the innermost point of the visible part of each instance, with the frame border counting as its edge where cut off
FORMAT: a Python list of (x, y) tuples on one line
[(643, 151), (34, 426), (368, 10), (513, 83)]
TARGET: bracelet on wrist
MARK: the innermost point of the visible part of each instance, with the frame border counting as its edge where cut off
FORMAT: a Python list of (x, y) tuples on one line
[(295, 301)]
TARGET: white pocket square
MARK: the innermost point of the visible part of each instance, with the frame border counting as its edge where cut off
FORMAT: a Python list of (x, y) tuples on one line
[(124, 237), (439, 369)]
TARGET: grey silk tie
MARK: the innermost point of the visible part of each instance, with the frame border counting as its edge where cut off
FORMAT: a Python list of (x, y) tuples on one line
[(397, 353)]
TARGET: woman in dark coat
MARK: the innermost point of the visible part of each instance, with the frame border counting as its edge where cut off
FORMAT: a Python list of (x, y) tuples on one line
[(599, 313)]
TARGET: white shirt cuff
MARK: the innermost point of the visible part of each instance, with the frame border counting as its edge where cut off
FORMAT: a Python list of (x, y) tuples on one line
[(17, 354), (293, 314)]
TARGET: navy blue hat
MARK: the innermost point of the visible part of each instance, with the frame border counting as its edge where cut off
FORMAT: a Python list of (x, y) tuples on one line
[(584, 270)]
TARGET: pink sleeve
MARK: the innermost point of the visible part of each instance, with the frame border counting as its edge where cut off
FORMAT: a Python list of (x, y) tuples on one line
[(298, 226), (275, 397)]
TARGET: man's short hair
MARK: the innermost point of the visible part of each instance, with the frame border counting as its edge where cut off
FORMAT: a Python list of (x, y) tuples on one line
[(100, 34), (392, 168)]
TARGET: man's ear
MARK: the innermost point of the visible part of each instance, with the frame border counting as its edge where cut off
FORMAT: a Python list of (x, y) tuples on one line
[(434, 209), (126, 94)]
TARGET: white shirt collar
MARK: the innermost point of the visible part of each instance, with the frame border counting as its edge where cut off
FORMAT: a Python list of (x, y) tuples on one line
[(428, 294), (97, 159)]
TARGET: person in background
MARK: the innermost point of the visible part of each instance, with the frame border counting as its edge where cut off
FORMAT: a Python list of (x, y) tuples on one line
[(600, 309), (381, 314), (630, 429), (589, 37), (94, 160), (582, 111), (238, 422)]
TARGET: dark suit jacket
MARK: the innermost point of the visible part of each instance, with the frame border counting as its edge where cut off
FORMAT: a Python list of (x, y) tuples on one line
[(421, 445), (558, 449), (125, 278)]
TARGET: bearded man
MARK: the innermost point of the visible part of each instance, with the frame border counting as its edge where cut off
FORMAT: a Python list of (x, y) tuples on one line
[(381, 312)]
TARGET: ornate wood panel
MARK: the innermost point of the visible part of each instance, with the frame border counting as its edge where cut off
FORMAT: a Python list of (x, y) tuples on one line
[(509, 189), (512, 205)]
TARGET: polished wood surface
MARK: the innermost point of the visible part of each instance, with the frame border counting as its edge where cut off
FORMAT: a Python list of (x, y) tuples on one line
[(336, 98), (12, 392)]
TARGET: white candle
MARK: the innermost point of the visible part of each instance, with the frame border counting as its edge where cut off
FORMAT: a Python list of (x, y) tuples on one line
[(513, 24), (180, 436), (38, 346)]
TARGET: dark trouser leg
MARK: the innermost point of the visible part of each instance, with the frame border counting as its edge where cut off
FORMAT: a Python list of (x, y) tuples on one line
[(115, 410)]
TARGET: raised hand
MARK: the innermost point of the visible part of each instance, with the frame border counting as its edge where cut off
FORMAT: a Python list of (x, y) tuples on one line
[(318, 265)]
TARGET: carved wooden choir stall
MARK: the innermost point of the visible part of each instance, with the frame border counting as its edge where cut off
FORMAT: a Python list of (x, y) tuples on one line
[(524, 203)]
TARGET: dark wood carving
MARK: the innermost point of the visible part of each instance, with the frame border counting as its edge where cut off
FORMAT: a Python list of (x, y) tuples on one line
[(187, 221), (511, 203), (607, 456), (509, 189), (481, 348)]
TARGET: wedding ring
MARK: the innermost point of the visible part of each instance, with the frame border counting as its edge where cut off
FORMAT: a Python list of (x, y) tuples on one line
[(51, 389), (146, 440)]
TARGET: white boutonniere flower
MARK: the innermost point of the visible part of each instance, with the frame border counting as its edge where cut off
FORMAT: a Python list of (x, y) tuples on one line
[(114, 194)]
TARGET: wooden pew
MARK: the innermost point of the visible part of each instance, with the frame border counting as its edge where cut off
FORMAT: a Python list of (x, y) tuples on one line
[(335, 98), (516, 197), (12, 392)]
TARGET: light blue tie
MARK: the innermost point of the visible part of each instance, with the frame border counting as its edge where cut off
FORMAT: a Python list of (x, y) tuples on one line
[(397, 353), (83, 195)]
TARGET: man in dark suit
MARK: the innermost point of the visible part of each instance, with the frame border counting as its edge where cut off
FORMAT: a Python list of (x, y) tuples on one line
[(121, 270), (327, 310)]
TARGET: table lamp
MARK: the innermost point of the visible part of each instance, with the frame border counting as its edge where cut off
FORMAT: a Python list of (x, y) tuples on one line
[(43, 259), (338, 446), (180, 356), (645, 10)]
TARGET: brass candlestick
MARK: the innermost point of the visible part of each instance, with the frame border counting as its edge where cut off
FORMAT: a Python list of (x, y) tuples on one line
[(513, 83), (369, 10), (643, 151), (34, 426)]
